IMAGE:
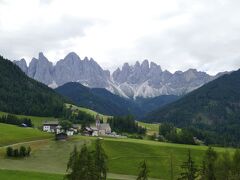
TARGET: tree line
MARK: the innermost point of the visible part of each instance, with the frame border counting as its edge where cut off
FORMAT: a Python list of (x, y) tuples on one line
[(215, 166), (12, 119), (125, 124), (167, 132), (22, 151)]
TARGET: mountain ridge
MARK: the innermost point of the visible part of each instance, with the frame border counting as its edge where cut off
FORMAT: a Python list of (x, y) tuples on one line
[(145, 79), (105, 102)]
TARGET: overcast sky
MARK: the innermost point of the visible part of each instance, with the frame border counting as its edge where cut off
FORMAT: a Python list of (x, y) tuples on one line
[(177, 34)]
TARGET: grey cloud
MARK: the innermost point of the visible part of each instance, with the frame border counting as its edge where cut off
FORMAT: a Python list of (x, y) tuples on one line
[(210, 41), (39, 36)]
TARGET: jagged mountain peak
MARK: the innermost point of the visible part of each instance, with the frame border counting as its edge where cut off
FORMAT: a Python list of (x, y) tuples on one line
[(144, 79), (41, 56), (85, 59), (72, 56)]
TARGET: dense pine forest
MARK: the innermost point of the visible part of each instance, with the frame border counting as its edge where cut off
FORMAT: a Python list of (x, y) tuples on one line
[(212, 112), (20, 94)]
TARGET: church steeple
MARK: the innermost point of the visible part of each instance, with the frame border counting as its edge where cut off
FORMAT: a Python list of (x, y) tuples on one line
[(97, 121)]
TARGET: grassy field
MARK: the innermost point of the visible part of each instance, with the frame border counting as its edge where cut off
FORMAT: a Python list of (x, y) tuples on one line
[(124, 156), (26, 175), (10, 134), (89, 111), (37, 121), (151, 128)]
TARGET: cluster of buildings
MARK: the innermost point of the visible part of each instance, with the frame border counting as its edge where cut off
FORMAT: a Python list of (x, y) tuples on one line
[(99, 129)]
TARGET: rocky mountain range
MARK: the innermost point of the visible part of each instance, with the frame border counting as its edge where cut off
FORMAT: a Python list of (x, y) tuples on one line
[(140, 80)]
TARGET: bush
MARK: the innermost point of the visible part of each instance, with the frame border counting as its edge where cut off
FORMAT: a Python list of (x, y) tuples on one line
[(21, 152), (9, 151), (15, 153)]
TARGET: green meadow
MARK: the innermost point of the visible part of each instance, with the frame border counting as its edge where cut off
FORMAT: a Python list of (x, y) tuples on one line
[(124, 155), (37, 121), (89, 111), (10, 134), (26, 175)]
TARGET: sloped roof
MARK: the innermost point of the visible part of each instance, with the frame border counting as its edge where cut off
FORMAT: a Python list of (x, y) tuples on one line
[(51, 123)]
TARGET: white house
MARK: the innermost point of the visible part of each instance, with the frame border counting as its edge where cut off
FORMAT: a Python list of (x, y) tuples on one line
[(54, 127), (51, 126)]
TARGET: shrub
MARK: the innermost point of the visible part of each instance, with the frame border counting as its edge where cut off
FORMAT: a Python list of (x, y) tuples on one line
[(9, 151), (22, 151), (15, 153)]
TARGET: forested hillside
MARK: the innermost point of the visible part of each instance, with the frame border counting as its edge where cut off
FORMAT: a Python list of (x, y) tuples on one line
[(103, 101), (97, 99), (213, 111), (20, 94)]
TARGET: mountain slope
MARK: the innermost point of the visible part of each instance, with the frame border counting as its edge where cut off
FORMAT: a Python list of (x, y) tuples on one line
[(145, 79), (20, 94), (103, 101), (97, 99), (214, 107)]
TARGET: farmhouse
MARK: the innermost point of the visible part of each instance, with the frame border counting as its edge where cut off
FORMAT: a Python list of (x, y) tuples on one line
[(51, 126), (54, 127)]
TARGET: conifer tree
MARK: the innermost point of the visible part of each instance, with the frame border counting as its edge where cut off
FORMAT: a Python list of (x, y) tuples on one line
[(236, 164), (189, 168), (73, 164), (143, 171), (208, 167), (100, 161)]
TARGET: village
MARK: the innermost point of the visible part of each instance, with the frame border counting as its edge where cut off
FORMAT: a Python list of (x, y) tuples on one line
[(97, 129)]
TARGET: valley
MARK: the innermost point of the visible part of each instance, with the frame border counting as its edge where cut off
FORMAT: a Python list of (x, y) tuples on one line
[(40, 127)]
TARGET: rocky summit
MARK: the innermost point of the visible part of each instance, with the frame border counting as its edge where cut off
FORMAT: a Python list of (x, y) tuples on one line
[(145, 79)]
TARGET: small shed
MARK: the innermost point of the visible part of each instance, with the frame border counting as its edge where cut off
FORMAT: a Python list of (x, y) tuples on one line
[(61, 136)]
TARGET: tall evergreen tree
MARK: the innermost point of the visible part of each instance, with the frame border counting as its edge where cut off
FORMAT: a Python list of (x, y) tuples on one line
[(84, 164), (236, 164), (73, 164), (208, 167), (100, 161), (143, 171), (189, 168), (224, 167)]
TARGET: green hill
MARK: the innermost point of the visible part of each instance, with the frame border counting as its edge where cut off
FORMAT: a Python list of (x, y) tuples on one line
[(212, 111), (124, 155), (11, 134), (20, 94)]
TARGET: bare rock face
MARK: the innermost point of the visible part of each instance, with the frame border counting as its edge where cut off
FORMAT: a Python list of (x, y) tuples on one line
[(22, 64), (69, 69), (140, 80), (150, 81)]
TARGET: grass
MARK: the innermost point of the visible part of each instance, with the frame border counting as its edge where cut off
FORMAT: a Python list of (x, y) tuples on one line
[(89, 111), (36, 120), (10, 134), (25, 175), (124, 156), (151, 128)]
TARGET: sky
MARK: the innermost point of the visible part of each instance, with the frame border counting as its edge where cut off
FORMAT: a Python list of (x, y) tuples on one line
[(176, 34)]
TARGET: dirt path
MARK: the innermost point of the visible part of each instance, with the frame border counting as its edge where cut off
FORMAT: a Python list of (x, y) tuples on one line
[(25, 142), (124, 177)]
